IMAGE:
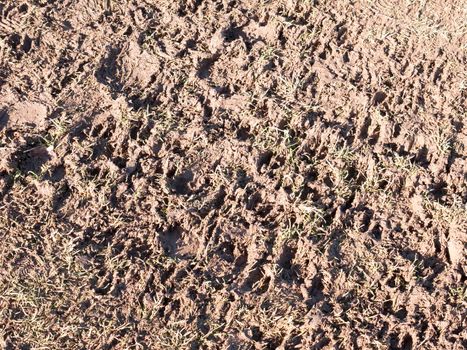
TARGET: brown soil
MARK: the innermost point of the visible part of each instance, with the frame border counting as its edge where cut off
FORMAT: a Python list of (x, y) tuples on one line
[(221, 174)]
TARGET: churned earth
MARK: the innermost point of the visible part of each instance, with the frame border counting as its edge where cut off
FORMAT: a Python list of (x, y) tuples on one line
[(221, 174)]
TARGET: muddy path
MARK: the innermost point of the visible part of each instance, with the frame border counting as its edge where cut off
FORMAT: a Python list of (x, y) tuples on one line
[(233, 174)]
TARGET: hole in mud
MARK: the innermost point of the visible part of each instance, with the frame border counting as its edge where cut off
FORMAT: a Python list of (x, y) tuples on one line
[(192, 293), (23, 8), (205, 65), (387, 307), (293, 342), (376, 232), (401, 314), (391, 146), (169, 240), (373, 140), (253, 200), (60, 197), (175, 305), (233, 33), (134, 132), (439, 190), (364, 129), (243, 134), (286, 257), (388, 84), (407, 342), (282, 38), (128, 31), (140, 252), (270, 66), (264, 285), (316, 291), (120, 162), (180, 183), (65, 81), (253, 280), (254, 333), (437, 244), (226, 251), (341, 32), (264, 159), (96, 130), (67, 25), (103, 287), (328, 181), (27, 43), (379, 97), (190, 44), (56, 174), (327, 308), (397, 130), (365, 219), (393, 340), (422, 157), (345, 58), (165, 275), (383, 330), (311, 175), (264, 210), (165, 301), (181, 274), (207, 112), (35, 158), (391, 282), (14, 40), (240, 261), (85, 305), (352, 173), (242, 178), (4, 117), (305, 193)]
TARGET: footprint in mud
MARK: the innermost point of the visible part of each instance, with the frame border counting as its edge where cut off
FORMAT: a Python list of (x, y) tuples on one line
[(128, 68), (378, 98), (32, 160), (204, 66), (25, 114), (169, 240), (177, 242), (180, 183), (20, 45), (3, 118)]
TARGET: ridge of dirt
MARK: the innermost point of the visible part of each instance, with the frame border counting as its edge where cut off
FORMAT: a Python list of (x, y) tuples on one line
[(233, 174)]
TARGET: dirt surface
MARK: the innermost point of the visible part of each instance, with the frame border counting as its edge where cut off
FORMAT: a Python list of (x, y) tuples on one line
[(229, 174)]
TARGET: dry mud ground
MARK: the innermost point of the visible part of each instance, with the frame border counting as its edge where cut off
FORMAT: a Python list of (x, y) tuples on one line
[(233, 174)]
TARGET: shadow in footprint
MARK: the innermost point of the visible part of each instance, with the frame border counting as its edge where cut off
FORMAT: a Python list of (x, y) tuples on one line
[(180, 183), (4, 117)]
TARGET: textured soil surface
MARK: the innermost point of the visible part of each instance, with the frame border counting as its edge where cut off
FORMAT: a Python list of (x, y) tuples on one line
[(221, 174)]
